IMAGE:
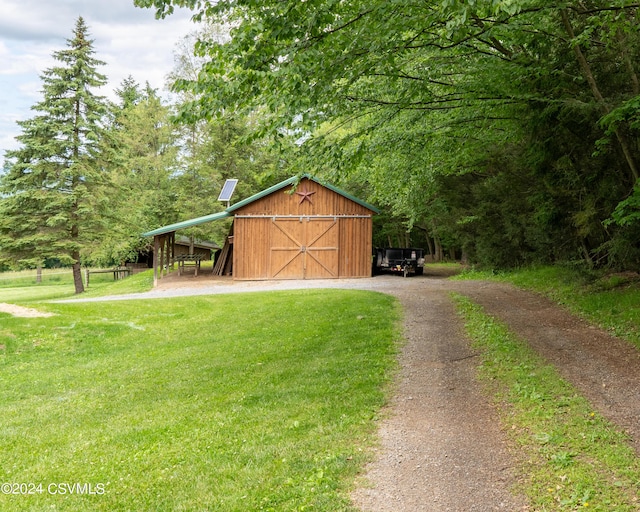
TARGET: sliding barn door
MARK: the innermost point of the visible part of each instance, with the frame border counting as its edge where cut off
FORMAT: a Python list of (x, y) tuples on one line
[(304, 248)]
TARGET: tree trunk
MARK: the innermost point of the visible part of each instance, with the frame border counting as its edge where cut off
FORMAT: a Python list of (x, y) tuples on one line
[(430, 246), (438, 254), (635, 84), (77, 273), (39, 274), (587, 256)]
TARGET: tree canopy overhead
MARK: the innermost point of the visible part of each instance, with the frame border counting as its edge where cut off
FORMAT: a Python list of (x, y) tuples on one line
[(455, 100), (326, 59)]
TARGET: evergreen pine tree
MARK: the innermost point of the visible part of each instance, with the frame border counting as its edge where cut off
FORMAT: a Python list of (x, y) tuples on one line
[(54, 181), (143, 149)]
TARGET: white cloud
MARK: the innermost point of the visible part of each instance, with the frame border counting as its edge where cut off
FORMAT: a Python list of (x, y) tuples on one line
[(128, 39)]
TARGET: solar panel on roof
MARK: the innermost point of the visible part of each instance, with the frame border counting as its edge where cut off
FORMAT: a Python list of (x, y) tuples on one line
[(227, 190)]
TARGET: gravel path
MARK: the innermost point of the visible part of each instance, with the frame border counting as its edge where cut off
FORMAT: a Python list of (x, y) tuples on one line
[(441, 446)]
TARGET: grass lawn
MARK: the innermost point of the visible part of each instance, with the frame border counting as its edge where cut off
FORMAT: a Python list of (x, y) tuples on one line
[(570, 457), (21, 288), (611, 301), (261, 401)]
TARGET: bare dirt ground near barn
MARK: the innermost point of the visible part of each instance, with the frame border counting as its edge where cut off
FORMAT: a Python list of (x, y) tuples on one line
[(441, 445)]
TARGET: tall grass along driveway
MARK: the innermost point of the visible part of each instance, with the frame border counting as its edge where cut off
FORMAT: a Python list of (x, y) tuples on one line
[(234, 402)]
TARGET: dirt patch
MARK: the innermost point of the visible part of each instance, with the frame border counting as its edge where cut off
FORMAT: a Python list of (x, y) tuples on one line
[(21, 311)]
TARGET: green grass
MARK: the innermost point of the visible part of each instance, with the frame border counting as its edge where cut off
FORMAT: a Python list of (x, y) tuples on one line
[(23, 294), (140, 282), (13, 288), (569, 456), (611, 301), (25, 278), (260, 401), (268, 401)]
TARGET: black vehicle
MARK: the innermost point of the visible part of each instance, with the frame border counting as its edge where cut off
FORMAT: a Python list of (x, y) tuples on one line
[(405, 261)]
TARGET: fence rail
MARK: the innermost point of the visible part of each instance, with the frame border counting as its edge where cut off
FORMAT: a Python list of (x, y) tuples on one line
[(60, 275), (31, 276)]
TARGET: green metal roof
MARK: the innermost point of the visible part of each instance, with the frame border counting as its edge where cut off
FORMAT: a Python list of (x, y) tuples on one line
[(293, 180), (187, 224), (204, 244), (228, 212)]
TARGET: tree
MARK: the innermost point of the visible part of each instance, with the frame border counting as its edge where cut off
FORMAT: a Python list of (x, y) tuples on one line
[(54, 184), (216, 149), (426, 99), (143, 145)]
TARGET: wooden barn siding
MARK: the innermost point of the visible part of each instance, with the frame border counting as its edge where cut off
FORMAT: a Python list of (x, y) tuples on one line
[(252, 255), (253, 258), (251, 244), (324, 202), (356, 247)]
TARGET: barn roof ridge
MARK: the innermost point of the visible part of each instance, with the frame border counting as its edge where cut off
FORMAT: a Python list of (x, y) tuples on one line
[(296, 179), (229, 211)]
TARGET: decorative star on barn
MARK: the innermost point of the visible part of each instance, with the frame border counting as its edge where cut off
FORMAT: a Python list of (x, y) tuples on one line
[(305, 195)]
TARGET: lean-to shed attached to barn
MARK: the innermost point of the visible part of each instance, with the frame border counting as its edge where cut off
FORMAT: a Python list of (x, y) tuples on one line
[(297, 229)]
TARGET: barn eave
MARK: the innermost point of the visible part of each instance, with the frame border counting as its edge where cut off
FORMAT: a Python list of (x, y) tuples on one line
[(229, 211), (187, 224)]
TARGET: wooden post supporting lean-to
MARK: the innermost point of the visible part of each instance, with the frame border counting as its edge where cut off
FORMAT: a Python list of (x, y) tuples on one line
[(163, 255), (171, 252), (156, 259)]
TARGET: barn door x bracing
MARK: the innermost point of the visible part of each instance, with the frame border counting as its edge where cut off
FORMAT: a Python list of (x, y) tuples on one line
[(304, 247)]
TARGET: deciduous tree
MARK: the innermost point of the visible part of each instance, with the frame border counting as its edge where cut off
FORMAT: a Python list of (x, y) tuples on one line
[(428, 99)]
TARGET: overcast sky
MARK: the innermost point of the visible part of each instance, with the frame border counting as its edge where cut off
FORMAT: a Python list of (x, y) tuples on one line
[(130, 40)]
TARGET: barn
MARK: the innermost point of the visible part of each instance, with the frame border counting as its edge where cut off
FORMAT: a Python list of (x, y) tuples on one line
[(300, 228)]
